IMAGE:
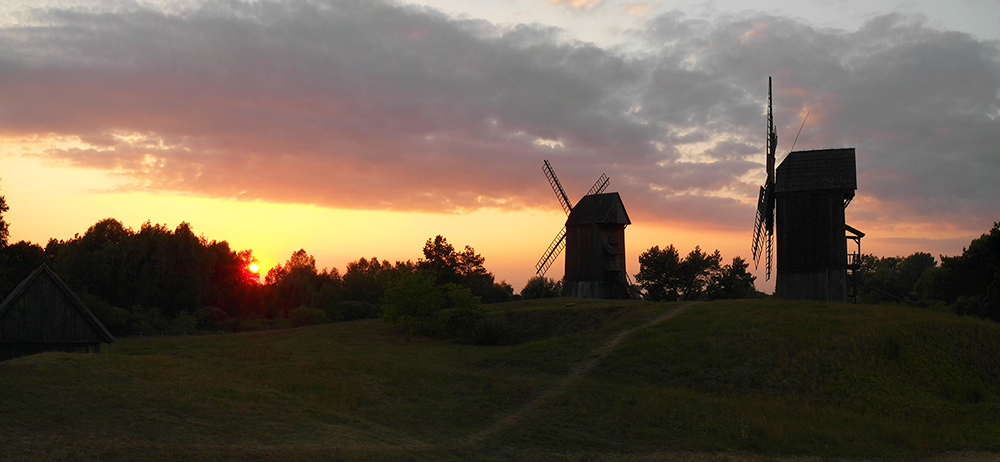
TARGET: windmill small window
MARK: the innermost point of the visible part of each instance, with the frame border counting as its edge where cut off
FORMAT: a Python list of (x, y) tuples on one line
[(594, 240)]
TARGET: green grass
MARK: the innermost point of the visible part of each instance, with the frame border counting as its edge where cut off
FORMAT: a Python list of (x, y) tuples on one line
[(736, 380)]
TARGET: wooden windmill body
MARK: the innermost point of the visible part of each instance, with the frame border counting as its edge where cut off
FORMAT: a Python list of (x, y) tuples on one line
[(811, 192)]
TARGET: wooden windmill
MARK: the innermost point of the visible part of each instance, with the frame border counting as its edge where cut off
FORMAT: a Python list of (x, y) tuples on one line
[(559, 243), (803, 202), (594, 239)]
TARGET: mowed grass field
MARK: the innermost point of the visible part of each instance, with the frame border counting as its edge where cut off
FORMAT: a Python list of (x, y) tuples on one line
[(594, 380)]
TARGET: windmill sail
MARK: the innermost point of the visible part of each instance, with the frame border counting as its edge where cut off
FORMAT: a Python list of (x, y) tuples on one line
[(557, 187), (600, 186), (764, 223), (549, 257)]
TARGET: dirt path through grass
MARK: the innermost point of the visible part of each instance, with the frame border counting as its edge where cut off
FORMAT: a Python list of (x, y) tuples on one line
[(585, 366)]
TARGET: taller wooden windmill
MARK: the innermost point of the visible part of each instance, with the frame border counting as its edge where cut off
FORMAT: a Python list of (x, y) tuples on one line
[(594, 240), (803, 202)]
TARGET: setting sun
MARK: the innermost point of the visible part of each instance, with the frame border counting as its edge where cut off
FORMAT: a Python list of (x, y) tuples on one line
[(253, 267)]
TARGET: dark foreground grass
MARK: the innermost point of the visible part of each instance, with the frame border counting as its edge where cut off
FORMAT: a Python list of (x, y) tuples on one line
[(748, 380)]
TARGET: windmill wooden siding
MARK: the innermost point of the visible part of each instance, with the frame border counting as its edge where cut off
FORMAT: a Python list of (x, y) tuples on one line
[(595, 248), (43, 314), (811, 190)]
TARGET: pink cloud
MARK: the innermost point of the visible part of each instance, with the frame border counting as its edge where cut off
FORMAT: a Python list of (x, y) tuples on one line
[(379, 106)]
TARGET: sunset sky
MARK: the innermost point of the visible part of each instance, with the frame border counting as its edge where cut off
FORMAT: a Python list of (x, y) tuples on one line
[(362, 128)]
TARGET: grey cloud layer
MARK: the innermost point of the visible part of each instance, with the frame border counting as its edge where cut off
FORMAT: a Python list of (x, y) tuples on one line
[(382, 106)]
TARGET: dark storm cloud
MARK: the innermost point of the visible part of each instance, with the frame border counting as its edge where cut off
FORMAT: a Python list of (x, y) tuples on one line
[(382, 106)]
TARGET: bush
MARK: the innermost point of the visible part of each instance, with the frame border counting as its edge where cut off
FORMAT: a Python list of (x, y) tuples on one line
[(541, 287), (492, 330), (305, 316), (352, 310), (256, 323), (184, 323), (967, 306), (411, 299), (327, 298), (212, 318), (147, 321), (115, 319), (457, 322)]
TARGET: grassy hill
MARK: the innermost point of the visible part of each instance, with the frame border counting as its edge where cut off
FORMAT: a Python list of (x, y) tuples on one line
[(597, 380)]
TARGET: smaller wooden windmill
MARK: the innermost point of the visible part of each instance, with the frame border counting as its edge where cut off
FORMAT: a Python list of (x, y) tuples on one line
[(559, 243), (594, 240), (763, 229)]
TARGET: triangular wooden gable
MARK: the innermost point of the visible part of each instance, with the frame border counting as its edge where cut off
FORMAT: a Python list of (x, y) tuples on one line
[(42, 308)]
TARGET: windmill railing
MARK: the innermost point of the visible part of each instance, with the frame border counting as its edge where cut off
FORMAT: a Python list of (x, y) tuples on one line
[(853, 261)]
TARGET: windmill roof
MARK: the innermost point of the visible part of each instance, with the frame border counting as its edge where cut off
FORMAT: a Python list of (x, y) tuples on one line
[(43, 272), (599, 209), (817, 170)]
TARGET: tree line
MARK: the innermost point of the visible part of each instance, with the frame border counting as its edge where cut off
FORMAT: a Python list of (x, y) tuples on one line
[(159, 279), (156, 279), (967, 284)]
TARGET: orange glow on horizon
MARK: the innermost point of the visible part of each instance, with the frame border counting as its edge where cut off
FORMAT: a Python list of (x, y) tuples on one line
[(70, 200)]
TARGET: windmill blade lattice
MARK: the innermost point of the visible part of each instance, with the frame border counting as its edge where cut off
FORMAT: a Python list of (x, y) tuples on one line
[(557, 187), (764, 221), (600, 186), (549, 257)]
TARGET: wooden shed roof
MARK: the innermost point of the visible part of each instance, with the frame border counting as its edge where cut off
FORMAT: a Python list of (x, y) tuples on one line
[(817, 170), (599, 209), (38, 293)]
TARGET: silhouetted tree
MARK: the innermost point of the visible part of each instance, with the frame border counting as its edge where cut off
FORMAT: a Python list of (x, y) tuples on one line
[(411, 298), (17, 261), (659, 274), (541, 287), (294, 283), (891, 278), (365, 280), (156, 275), (664, 276), (733, 282), (4, 230), (696, 272), (94, 262), (463, 268), (327, 299), (448, 266), (966, 281), (233, 288)]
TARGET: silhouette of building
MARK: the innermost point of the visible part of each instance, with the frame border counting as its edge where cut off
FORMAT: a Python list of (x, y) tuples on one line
[(595, 248), (43, 314), (812, 189)]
